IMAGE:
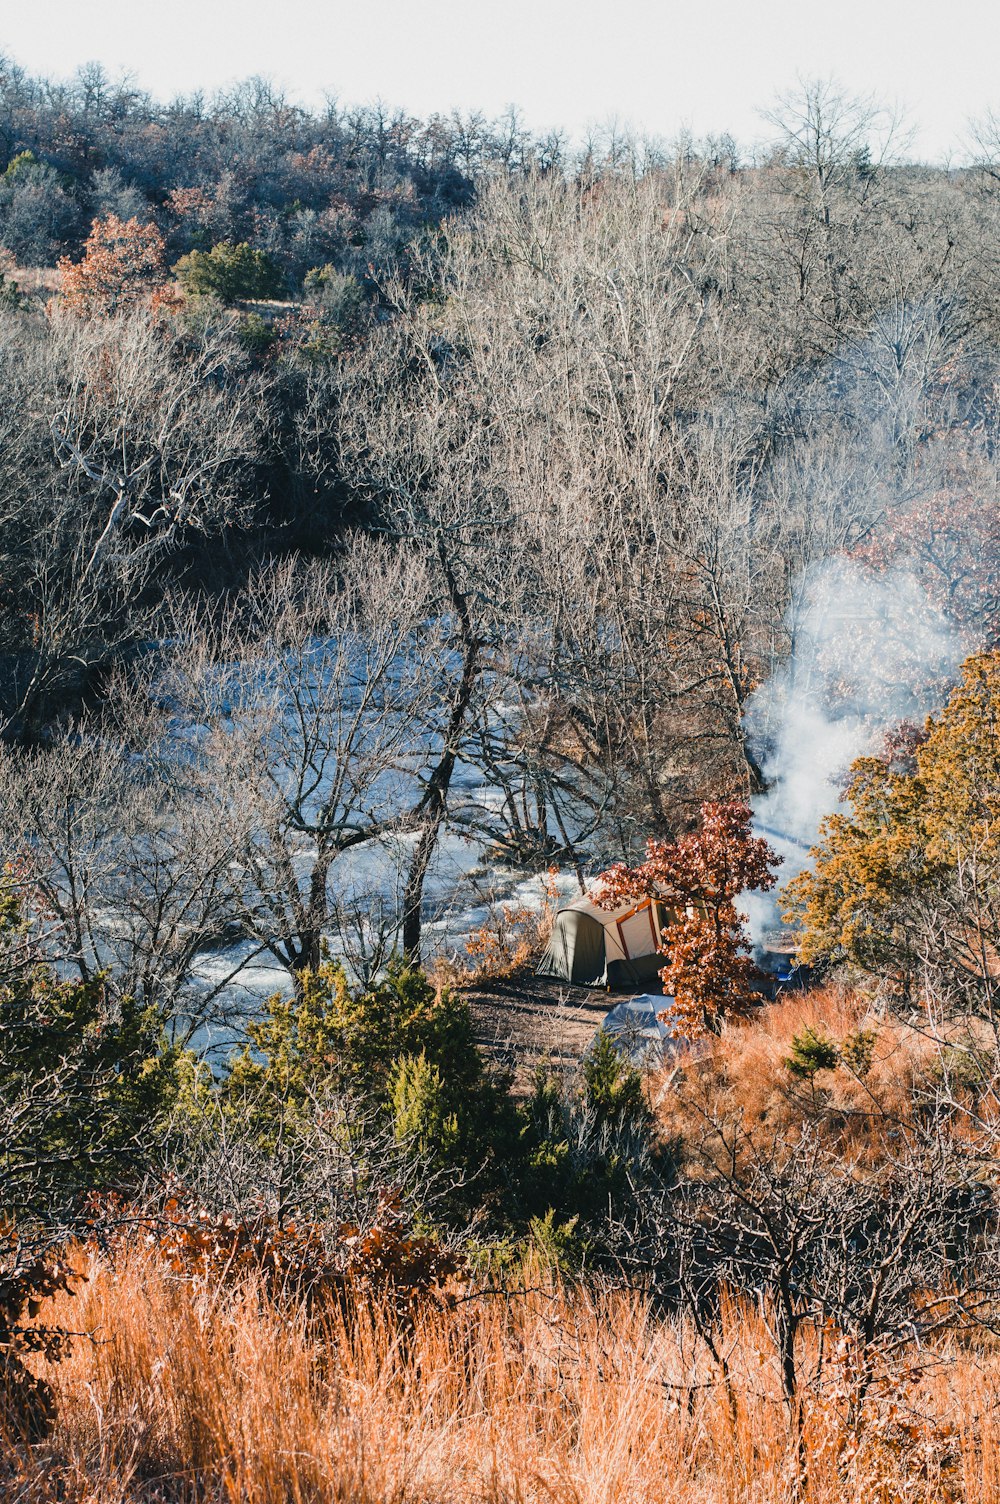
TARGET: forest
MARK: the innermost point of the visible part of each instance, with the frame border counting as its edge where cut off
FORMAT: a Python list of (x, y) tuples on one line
[(406, 526)]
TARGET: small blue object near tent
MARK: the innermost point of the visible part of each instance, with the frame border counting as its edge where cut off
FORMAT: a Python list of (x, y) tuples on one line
[(637, 1030)]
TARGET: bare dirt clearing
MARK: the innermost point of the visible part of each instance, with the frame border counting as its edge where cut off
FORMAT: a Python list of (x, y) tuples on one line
[(524, 1018)]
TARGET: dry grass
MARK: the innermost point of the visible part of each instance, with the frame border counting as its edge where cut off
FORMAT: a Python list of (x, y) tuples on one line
[(34, 281), (743, 1076), (183, 1392), (553, 1396), (514, 936)]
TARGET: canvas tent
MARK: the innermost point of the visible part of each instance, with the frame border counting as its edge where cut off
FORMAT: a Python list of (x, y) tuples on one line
[(597, 947)]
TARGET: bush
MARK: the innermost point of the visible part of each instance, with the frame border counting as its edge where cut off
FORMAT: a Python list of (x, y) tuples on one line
[(612, 1086), (339, 299), (811, 1052), (255, 334), (80, 1079), (121, 268), (420, 1101), (12, 300), (230, 273), (330, 1035), (398, 1048), (585, 1142), (302, 1261)]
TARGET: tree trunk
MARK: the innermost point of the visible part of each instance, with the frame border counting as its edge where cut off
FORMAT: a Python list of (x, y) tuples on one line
[(433, 802)]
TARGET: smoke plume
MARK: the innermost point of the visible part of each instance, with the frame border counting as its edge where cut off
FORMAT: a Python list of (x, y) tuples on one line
[(868, 651)]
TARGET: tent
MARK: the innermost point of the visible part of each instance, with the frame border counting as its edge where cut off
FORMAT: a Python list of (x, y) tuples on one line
[(637, 1031), (597, 947)]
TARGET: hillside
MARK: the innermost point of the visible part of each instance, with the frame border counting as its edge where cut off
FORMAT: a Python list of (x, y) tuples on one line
[(408, 527)]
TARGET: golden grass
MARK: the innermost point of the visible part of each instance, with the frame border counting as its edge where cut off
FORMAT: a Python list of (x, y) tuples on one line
[(743, 1076), (557, 1395)]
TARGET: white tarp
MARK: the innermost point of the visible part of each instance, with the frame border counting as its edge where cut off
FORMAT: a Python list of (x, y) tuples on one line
[(638, 1032)]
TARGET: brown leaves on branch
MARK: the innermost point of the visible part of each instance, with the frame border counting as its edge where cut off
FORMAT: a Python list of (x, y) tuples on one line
[(122, 268), (298, 1260), (28, 1277), (698, 879)]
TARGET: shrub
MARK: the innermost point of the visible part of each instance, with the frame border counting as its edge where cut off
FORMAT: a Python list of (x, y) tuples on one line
[(122, 266), (339, 299), (301, 1261), (398, 1048), (857, 1051), (230, 273), (612, 1086), (514, 934), (256, 334), (27, 1277), (12, 300), (80, 1079), (332, 1035), (420, 1101), (585, 1142), (811, 1052)]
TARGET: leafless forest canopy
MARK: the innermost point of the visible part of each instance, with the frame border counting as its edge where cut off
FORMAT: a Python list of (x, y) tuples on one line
[(518, 468)]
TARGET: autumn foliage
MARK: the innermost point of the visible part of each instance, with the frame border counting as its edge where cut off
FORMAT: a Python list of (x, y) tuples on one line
[(296, 1260), (513, 933), (121, 268), (698, 878), (905, 881)]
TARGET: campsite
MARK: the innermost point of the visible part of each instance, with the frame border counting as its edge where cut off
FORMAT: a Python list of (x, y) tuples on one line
[(618, 947)]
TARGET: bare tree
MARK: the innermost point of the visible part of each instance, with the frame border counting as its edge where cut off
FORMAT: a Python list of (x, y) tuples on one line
[(311, 705), (128, 447)]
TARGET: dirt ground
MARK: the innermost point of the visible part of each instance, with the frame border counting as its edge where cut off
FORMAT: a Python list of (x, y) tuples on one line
[(525, 1018)]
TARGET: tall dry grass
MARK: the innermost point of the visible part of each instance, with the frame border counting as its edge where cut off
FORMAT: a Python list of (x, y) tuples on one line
[(181, 1393), (743, 1076)]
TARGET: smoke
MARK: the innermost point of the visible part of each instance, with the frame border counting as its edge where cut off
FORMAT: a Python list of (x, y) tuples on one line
[(869, 650)]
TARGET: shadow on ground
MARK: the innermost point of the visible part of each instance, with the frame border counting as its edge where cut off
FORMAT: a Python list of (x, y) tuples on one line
[(524, 1018)]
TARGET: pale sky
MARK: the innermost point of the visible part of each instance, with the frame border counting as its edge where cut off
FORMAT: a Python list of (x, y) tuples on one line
[(657, 65)]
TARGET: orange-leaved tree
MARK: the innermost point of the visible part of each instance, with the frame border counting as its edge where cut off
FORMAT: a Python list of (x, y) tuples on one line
[(698, 879), (122, 267)]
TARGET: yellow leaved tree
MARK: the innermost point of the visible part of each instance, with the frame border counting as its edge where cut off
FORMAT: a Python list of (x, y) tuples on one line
[(906, 881)]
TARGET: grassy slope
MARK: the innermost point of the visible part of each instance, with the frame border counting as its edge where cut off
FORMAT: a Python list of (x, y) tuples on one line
[(557, 1394)]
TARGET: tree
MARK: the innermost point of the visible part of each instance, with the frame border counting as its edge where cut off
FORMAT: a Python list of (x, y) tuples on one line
[(321, 689), (230, 273), (129, 856), (38, 213), (698, 879), (906, 883), (123, 441), (403, 1053), (122, 266), (81, 1075), (820, 1243)]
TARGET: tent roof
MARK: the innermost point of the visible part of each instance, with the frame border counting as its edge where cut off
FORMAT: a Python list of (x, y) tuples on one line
[(586, 905)]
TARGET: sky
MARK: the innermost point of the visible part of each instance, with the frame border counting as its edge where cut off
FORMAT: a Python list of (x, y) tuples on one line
[(658, 66)]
